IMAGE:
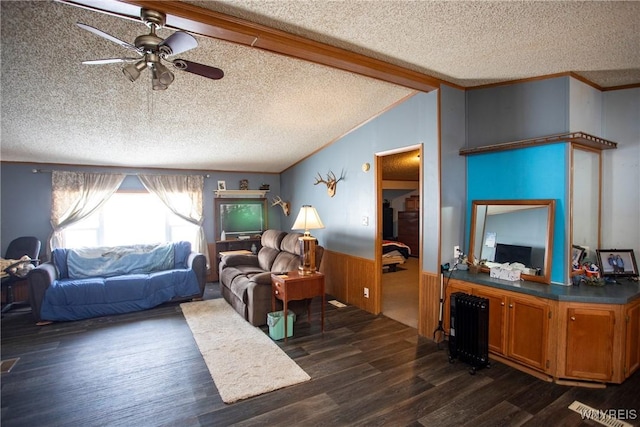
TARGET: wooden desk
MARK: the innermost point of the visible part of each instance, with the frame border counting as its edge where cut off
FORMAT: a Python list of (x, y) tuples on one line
[(295, 286)]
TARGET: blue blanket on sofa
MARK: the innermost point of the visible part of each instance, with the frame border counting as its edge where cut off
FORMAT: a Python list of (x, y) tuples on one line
[(102, 281)]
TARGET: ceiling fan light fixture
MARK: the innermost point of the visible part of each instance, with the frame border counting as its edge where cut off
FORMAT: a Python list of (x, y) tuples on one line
[(158, 85), (132, 71), (163, 74)]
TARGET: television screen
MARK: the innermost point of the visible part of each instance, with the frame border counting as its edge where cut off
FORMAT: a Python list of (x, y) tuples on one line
[(513, 253), (241, 217)]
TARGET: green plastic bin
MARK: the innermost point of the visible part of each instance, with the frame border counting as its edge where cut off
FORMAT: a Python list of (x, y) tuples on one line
[(276, 324)]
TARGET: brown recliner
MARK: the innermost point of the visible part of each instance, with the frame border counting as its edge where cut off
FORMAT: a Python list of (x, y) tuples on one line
[(245, 280)]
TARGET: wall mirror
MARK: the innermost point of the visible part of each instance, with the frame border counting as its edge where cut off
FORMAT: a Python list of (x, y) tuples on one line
[(514, 231), (585, 200)]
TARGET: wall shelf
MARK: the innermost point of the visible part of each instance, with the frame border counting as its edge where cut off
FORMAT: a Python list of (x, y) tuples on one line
[(240, 193), (580, 138)]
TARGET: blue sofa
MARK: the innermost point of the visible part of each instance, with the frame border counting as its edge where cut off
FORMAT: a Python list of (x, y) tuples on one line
[(90, 282)]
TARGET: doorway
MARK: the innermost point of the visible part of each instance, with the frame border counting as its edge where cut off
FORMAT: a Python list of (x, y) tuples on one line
[(400, 202)]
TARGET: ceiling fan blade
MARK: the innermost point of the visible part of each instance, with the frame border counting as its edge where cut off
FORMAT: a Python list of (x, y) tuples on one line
[(178, 42), (109, 37), (199, 69), (109, 61)]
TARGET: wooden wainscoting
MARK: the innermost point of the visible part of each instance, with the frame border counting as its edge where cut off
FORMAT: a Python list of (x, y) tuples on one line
[(212, 274), (429, 308), (346, 276)]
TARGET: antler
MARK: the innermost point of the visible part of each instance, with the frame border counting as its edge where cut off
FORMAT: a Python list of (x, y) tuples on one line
[(330, 182), (286, 206), (333, 177), (319, 180)]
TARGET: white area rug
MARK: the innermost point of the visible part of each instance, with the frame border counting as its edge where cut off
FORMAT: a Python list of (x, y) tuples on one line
[(242, 359)]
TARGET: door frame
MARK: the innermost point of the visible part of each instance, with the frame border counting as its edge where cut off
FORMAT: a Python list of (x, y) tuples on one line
[(377, 288)]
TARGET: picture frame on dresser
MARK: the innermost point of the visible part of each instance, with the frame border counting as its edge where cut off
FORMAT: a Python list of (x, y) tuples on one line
[(617, 262), (578, 254)]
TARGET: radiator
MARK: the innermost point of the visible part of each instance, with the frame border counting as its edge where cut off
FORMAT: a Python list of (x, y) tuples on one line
[(469, 330)]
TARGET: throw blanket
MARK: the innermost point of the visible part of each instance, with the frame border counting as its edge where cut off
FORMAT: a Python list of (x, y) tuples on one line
[(120, 260), (18, 267)]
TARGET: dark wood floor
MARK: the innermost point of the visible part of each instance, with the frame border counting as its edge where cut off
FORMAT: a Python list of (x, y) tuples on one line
[(144, 369)]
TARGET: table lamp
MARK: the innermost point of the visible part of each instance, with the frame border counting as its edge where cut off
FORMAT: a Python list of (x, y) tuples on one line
[(308, 219)]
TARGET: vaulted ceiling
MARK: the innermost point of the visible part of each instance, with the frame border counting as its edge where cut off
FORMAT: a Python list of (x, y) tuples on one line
[(273, 109)]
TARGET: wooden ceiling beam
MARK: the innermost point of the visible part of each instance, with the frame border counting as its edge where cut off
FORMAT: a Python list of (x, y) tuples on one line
[(198, 20)]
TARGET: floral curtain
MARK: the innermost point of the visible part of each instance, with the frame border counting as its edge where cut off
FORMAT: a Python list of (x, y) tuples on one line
[(76, 195), (182, 194)]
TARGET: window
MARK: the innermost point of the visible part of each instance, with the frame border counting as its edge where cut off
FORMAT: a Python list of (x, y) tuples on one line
[(130, 218)]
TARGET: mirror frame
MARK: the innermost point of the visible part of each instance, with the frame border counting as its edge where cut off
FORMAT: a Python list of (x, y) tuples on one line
[(545, 276)]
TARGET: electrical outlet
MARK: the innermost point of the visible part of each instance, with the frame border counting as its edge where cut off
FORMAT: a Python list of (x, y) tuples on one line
[(365, 220), (456, 252), (366, 292)]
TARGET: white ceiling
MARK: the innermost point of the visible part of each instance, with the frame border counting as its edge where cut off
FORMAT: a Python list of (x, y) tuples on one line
[(270, 111)]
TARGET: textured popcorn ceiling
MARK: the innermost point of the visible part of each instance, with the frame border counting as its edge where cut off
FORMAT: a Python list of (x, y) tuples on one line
[(270, 111)]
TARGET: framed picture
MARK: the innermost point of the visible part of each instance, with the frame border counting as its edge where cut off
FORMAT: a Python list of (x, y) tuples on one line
[(577, 255), (244, 184), (222, 185), (617, 262)]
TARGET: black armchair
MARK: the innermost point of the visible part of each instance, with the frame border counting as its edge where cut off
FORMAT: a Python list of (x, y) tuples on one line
[(27, 245)]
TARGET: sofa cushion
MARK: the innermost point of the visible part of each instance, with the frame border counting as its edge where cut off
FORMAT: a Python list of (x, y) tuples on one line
[(114, 261), (266, 256), (272, 238), (285, 261), (290, 243), (74, 299)]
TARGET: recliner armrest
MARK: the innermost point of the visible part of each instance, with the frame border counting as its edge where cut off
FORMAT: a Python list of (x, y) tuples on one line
[(261, 278)]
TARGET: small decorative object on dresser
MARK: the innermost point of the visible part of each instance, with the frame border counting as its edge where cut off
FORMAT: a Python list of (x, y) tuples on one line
[(244, 184)]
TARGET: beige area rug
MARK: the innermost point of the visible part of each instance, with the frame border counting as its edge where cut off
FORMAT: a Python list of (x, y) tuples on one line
[(242, 359)]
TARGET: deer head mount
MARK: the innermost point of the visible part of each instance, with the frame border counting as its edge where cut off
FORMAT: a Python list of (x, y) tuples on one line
[(286, 206), (331, 182)]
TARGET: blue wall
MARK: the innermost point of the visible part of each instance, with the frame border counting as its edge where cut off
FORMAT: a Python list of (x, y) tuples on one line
[(410, 123), (526, 173)]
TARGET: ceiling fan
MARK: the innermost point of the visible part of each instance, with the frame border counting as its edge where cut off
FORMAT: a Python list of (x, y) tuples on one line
[(153, 51)]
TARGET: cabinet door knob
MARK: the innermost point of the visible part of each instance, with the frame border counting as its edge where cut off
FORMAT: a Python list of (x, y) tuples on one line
[(510, 305), (573, 318), (502, 303)]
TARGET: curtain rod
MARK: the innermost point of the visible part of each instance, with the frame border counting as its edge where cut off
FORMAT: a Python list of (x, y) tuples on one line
[(125, 173)]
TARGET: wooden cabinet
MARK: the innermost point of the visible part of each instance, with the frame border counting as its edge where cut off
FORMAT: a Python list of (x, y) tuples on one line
[(632, 351), (409, 230), (518, 324), (528, 331), (497, 319), (589, 343), (566, 341)]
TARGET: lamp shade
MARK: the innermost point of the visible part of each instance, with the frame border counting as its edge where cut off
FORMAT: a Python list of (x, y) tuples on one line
[(308, 219)]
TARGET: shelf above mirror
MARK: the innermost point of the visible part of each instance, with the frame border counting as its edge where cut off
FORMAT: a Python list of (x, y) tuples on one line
[(240, 193)]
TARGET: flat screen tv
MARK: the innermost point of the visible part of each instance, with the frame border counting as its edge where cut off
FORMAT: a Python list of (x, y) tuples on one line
[(241, 216), (513, 253)]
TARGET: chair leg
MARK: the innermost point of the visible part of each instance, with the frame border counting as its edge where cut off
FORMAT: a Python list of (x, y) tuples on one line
[(8, 299)]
